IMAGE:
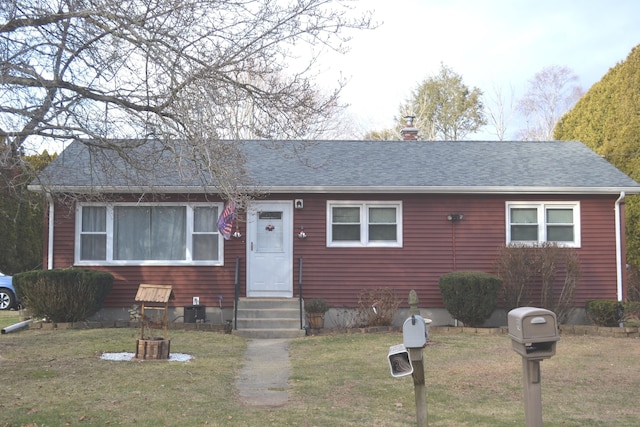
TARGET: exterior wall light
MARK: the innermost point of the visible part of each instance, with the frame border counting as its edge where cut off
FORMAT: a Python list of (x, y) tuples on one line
[(455, 217)]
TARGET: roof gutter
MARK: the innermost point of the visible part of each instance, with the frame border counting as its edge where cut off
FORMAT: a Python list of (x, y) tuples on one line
[(619, 266), (451, 190), (321, 189)]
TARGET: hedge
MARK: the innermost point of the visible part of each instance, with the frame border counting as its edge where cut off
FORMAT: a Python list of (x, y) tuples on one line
[(63, 295), (605, 312)]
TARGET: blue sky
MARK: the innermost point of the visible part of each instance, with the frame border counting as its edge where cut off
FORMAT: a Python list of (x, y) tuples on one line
[(489, 43)]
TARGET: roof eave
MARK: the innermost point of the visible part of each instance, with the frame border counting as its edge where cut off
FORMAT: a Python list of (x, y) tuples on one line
[(343, 189), (456, 190)]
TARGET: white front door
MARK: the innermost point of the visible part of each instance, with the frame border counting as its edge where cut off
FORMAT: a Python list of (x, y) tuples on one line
[(270, 249)]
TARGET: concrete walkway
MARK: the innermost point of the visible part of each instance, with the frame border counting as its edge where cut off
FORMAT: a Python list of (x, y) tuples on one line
[(264, 377)]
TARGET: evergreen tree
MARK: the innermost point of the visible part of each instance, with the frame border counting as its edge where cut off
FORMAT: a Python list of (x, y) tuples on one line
[(444, 107), (21, 217), (607, 119)]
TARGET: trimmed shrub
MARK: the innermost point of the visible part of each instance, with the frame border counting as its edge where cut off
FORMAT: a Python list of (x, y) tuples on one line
[(604, 312), (631, 311), (470, 296), (63, 295), (633, 283)]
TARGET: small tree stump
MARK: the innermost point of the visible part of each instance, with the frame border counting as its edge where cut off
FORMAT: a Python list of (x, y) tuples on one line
[(153, 349)]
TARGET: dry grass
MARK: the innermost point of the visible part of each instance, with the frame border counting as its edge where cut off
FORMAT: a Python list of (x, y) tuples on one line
[(476, 380), (8, 318), (53, 378)]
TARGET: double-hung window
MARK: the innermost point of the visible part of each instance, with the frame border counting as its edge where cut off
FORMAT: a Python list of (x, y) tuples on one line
[(136, 234), (555, 222), (364, 224)]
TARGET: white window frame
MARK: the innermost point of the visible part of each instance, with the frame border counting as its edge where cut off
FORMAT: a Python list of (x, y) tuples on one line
[(542, 208), (364, 224), (109, 232)]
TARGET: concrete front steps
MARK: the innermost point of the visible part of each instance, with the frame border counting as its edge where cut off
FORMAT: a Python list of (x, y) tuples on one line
[(268, 318)]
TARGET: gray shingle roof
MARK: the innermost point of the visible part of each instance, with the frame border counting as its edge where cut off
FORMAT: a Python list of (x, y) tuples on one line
[(369, 166)]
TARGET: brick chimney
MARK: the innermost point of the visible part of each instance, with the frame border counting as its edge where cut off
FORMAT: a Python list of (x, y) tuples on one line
[(409, 132)]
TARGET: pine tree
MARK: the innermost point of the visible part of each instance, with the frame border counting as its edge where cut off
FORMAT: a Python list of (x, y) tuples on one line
[(607, 119)]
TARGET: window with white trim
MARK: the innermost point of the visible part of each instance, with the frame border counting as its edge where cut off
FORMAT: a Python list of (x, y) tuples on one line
[(556, 222), (137, 234), (357, 224)]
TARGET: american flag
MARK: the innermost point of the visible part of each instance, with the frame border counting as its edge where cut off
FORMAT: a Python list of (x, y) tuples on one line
[(225, 221)]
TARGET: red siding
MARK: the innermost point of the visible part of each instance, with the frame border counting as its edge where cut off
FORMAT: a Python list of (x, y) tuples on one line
[(432, 246)]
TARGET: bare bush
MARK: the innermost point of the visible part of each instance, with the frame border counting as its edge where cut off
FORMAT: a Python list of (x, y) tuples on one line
[(516, 270), (346, 318), (564, 304), (530, 275), (376, 307)]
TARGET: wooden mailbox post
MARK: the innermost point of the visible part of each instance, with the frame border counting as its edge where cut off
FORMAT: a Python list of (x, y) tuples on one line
[(417, 359), (407, 358)]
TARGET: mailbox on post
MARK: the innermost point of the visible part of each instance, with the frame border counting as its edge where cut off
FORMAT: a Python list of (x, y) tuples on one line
[(414, 332), (407, 358), (414, 336), (533, 332)]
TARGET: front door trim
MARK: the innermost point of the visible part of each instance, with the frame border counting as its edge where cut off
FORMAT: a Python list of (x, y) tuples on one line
[(270, 249)]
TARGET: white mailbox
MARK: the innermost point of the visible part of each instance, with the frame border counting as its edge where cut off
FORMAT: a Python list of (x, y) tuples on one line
[(414, 332), (399, 361)]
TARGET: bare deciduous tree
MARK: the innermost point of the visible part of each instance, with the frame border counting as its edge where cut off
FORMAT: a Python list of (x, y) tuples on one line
[(550, 94), (500, 110), (179, 72)]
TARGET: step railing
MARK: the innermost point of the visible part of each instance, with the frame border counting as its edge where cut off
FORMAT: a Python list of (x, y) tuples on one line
[(300, 291), (236, 296)]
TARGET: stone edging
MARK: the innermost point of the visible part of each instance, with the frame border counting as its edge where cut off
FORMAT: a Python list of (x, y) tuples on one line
[(626, 332), (122, 324), (588, 330), (616, 332)]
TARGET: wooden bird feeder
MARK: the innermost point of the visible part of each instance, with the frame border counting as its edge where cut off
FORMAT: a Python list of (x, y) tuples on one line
[(153, 297)]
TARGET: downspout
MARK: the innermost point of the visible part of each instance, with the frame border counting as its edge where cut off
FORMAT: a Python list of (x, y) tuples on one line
[(50, 234), (619, 266)]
